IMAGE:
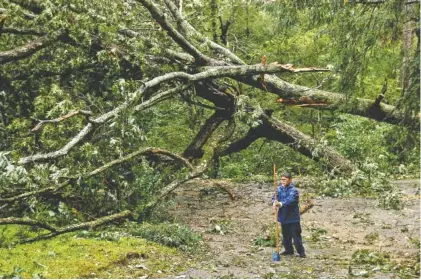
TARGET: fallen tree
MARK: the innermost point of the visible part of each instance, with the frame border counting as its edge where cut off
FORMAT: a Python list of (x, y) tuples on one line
[(197, 65)]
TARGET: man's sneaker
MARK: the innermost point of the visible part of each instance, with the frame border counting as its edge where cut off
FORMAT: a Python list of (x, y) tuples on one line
[(284, 253), (302, 255)]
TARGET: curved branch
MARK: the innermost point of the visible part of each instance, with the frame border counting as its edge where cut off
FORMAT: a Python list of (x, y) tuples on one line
[(174, 185)]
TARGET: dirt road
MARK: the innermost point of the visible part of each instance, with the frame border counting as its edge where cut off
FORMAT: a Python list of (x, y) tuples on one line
[(333, 230)]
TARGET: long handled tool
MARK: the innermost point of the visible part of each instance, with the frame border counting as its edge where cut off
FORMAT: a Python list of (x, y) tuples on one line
[(276, 256)]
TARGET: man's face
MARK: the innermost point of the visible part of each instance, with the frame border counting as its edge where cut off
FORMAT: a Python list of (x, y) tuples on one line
[(285, 181)]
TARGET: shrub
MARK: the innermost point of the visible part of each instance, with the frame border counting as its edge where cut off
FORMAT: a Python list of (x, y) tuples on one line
[(171, 235)]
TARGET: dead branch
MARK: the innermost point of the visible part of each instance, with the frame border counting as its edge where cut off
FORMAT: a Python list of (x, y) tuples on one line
[(62, 118)]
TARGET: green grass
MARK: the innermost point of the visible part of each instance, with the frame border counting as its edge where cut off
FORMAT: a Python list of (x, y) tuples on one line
[(67, 256)]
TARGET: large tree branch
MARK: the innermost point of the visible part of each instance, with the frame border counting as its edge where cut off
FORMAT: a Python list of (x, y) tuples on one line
[(276, 130), (280, 131), (329, 100)]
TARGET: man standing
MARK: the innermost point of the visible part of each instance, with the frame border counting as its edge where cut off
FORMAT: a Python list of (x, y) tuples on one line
[(289, 215)]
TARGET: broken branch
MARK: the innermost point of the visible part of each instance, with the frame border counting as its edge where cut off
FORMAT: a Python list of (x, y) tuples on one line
[(62, 118)]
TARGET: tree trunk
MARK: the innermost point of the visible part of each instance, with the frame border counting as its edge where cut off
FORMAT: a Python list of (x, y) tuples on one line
[(276, 130)]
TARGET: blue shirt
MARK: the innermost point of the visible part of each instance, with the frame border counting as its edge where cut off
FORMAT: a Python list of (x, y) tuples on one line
[(289, 197)]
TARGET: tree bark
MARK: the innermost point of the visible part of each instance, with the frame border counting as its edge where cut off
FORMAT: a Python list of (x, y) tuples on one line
[(195, 149)]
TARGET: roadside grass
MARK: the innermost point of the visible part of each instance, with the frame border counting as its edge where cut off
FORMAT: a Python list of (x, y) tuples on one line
[(73, 255)]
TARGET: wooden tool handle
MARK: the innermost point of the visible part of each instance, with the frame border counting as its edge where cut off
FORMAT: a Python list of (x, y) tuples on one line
[(276, 212)]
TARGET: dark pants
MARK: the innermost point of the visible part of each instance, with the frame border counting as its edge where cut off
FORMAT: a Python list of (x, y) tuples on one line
[(291, 232)]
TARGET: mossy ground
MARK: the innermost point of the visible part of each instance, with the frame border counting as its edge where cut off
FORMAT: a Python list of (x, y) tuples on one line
[(68, 256)]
